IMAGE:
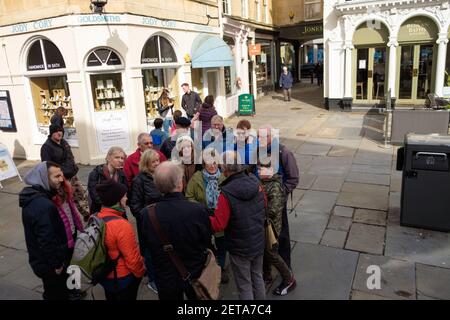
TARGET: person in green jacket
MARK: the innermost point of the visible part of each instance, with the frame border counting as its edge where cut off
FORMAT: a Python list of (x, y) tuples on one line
[(203, 188), (273, 188)]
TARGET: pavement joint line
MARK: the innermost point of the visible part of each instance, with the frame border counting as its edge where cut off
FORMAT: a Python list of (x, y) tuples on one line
[(354, 271), (12, 248), (11, 193)]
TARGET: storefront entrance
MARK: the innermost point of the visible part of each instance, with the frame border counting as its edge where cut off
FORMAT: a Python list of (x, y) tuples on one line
[(416, 69), (370, 74)]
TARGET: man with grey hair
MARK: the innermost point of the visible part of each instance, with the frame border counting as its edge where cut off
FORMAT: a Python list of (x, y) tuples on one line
[(218, 137), (131, 166), (187, 227), (240, 212)]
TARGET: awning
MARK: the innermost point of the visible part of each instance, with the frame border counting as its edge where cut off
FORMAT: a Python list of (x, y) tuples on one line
[(210, 51)]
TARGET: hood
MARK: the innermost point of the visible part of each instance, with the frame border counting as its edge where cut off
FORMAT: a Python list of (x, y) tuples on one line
[(38, 176), (242, 186), (28, 194), (207, 105)]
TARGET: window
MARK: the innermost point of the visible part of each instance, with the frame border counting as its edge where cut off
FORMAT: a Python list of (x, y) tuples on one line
[(226, 6), (266, 11), (103, 57), (258, 10), (245, 9), (158, 49), (44, 55), (313, 9)]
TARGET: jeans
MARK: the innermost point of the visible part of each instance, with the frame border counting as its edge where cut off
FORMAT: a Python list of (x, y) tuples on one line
[(284, 241), (287, 94), (221, 252), (248, 277), (272, 258), (166, 126)]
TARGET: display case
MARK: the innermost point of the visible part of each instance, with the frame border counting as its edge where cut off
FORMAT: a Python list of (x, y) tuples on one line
[(107, 92)]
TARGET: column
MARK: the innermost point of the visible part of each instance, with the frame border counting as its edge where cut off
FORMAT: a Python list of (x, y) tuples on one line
[(392, 44), (440, 68), (348, 70)]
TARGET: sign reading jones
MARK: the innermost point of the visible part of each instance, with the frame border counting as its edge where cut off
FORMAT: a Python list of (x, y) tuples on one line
[(312, 29)]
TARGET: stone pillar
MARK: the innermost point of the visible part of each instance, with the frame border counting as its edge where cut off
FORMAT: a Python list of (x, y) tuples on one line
[(392, 44), (440, 68), (348, 70)]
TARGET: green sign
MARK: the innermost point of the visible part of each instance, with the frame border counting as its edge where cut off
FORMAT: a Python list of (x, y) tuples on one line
[(246, 105)]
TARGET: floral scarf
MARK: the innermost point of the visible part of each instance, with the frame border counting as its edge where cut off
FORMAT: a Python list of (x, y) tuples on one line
[(212, 188)]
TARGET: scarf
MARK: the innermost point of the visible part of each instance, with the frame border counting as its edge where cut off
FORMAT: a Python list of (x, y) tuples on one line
[(212, 188)]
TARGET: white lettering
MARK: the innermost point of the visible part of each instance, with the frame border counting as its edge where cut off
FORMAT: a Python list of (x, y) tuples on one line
[(74, 279), (19, 28), (374, 280)]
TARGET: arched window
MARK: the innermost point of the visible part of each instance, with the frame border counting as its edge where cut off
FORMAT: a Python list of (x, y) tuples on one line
[(44, 55), (103, 57), (158, 49)]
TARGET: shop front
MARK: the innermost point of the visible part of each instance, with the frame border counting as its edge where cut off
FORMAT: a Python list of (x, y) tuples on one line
[(264, 67)]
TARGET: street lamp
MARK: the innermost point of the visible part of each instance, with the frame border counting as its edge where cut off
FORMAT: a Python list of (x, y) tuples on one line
[(97, 5)]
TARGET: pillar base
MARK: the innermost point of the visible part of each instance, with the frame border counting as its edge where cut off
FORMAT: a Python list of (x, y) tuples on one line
[(343, 104), (347, 104)]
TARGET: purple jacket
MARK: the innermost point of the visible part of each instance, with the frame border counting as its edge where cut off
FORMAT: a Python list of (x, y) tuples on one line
[(206, 113)]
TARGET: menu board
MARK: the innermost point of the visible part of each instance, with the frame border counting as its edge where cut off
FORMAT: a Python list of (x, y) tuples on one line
[(7, 122), (112, 130), (7, 167)]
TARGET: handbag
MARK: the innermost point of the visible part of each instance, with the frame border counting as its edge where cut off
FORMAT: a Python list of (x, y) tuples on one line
[(271, 237), (206, 286)]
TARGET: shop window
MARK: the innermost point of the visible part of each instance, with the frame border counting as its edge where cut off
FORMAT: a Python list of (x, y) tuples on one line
[(313, 9), (107, 92), (44, 55), (447, 71), (158, 50), (228, 86), (103, 57), (264, 67)]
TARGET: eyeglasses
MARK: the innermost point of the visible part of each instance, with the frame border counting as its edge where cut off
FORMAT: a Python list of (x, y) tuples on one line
[(148, 143)]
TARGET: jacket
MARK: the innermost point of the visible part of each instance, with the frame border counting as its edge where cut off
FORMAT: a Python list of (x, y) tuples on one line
[(286, 80), (241, 213), (273, 189), (191, 102), (45, 234), (143, 193), (120, 239), (196, 188), (95, 177), (289, 170), (131, 165), (206, 113), (60, 154), (187, 226)]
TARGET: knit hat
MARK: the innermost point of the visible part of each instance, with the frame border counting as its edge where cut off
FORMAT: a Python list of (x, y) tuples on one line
[(54, 128), (183, 122), (110, 192)]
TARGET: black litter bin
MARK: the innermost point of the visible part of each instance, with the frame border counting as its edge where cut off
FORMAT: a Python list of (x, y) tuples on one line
[(425, 200)]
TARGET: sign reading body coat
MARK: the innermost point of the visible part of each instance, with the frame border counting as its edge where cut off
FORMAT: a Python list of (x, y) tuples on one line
[(112, 130), (7, 167)]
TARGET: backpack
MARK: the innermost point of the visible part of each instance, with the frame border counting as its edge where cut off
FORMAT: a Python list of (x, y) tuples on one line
[(90, 252)]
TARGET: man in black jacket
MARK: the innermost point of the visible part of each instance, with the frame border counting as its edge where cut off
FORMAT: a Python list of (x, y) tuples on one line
[(187, 227), (191, 101), (45, 234), (58, 150)]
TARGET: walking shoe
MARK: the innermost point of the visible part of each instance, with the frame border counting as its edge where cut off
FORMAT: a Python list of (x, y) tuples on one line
[(152, 286), (284, 288)]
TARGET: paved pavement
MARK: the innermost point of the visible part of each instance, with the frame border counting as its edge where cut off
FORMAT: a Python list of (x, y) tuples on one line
[(345, 216)]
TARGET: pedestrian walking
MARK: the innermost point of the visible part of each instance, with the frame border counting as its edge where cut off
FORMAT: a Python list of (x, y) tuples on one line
[(187, 227), (165, 109), (286, 81), (158, 135), (207, 111), (191, 101)]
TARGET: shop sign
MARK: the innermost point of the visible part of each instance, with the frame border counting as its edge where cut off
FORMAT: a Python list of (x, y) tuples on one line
[(254, 49), (7, 167), (246, 105), (89, 19), (7, 122), (312, 29), (32, 26), (112, 130)]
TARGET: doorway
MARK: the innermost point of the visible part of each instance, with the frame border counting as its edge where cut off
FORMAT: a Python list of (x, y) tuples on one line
[(213, 83), (416, 70), (370, 76)]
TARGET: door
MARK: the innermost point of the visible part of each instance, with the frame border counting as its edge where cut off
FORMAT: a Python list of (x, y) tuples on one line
[(416, 68), (370, 74), (213, 83)]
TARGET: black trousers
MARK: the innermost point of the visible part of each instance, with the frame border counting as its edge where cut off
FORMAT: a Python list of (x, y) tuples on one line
[(284, 240), (177, 293), (55, 287), (127, 294)]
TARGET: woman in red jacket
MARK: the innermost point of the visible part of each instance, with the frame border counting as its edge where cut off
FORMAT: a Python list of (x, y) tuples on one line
[(120, 241)]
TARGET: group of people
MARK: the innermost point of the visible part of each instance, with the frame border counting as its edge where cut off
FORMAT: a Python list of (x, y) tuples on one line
[(224, 202)]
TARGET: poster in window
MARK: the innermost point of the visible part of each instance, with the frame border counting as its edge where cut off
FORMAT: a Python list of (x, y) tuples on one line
[(7, 167), (7, 122)]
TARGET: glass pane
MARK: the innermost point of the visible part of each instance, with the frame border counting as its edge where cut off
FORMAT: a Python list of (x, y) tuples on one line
[(379, 67), (447, 69), (103, 54), (93, 61), (114, 59), (153, 81), (406, 72), (313, 11), (53, 56), (107, 92), (425, 70), (35, 60), (362, 65), (150, 52), (167, 52)]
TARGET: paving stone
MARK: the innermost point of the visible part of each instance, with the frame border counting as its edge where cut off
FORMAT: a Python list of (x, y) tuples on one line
[(297, 195), (366, 196), (370, 217), (343, 211), (359, 295), (339, 223), (396, 181), (372, 158), (334, 238), (306, 181), (24, 277), (418, 245), (366, 238), (307, 227), (341, 152), (433, 282), (326, 183), (330, 166), (303, 162), (11, 260), (323, 273), (369, 178), (11, 291), (314, 149), (364, 168), (397, 277), (317, 201)]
